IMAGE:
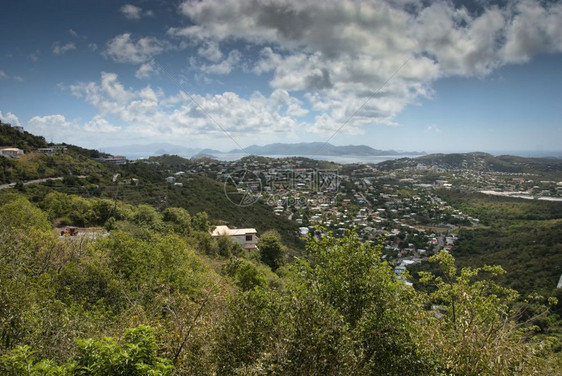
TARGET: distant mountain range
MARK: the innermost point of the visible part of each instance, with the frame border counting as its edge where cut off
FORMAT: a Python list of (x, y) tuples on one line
[(298, 149), (150, 150), (320, 148)]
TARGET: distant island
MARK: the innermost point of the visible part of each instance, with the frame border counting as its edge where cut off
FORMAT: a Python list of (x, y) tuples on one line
[(285, 149), (320, 148)]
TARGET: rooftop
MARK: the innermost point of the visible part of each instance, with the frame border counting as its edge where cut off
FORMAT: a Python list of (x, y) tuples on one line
[(225, 230)]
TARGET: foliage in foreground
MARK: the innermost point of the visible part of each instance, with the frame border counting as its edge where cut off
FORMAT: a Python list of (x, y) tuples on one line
[(340, 309), (135, 355)]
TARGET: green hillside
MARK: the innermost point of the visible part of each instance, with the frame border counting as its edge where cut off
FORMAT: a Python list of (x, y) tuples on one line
[(523, 236), (550, 168), (151, 297), (86, 177), (10, 136), (145, 290)]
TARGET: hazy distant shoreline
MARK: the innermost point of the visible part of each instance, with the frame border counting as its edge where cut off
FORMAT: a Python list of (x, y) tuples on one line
[(344, 159)]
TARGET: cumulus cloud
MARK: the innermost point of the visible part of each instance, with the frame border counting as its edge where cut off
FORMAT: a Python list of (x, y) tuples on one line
[(10, 118), (532, 29), (108, 96), (146, 70), (48, 122), (223, 67), (3, 75), (99, 125), (59, 48), (151, 113), (58, 128), (328, 63), (124, 49), (210, 50), (341, 54), (132, 12)]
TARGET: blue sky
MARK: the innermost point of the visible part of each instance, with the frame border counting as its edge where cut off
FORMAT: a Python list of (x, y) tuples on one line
[(395, 74)]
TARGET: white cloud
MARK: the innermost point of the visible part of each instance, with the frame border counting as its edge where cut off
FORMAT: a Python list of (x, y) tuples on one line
[(59, 48), (99, 124), (210, 50), (109, 96), (149, 113), (223, 67), (49, 122), (339, 54), (73, 33), (10, 118), (124, 49), (5, 76), (533, 29), (131, 12), (146, 70), (432, 128), (58, 128)]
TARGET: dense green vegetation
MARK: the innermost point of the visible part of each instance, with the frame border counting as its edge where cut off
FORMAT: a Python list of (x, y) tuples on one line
[(10, 136), (155, 296), (147, 291), (523, 236), (549, 168), (85, 177)]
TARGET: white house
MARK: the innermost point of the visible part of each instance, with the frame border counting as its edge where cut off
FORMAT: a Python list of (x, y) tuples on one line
[(11, 152), (246, 237), (46, 151)]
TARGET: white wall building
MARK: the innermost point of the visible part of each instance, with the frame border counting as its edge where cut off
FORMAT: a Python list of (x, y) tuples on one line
[(11, 152), (246, 237)]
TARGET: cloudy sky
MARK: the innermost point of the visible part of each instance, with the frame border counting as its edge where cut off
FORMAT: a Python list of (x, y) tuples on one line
[(391, 74)]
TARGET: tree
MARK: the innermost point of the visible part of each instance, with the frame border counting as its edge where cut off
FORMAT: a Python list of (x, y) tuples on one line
[(380, 311), (147, 216), (228, 247), (200, 222), (271, 249), (179, 218), (134, 356), (473, 331), (247, 329)]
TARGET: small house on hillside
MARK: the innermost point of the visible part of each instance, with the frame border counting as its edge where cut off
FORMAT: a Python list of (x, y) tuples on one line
[(10, 152), (246, 237)]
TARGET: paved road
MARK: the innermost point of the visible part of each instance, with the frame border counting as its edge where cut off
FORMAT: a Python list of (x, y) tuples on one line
[(12, 185)]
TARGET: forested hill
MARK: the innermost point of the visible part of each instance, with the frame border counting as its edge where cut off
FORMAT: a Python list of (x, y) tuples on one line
[(141, 288), (10, 136), (83, 175), (480, 162), (153, 294)]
